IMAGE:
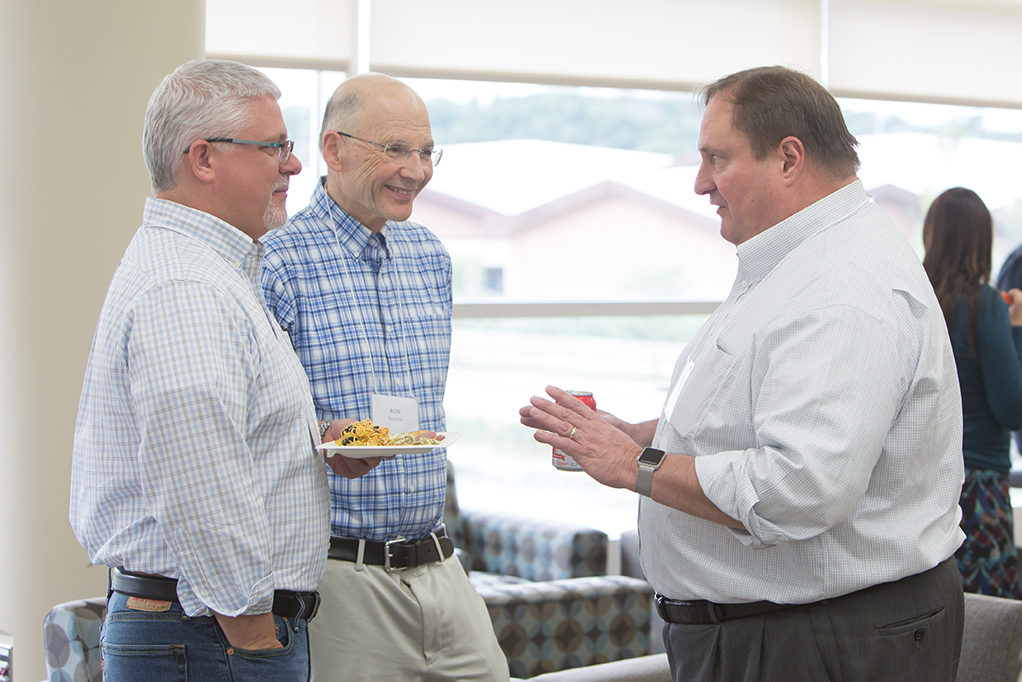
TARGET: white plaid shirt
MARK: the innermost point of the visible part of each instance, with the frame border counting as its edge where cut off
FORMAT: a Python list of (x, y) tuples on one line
[(822, 405), (368, 316), (193, 453)]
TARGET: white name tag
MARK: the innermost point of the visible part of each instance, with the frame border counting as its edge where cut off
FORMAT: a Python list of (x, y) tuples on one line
[(675, 394), (396, 413)]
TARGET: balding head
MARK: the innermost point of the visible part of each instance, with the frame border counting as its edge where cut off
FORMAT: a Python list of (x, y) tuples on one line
[(357, 100), (378, 148)]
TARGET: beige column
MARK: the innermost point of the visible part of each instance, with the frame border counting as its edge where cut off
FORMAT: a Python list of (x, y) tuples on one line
[(75, 78)]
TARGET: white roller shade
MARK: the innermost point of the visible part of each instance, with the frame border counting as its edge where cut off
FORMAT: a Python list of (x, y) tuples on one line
[(926, 50), (661, 42), (314, 33), (934, 51)]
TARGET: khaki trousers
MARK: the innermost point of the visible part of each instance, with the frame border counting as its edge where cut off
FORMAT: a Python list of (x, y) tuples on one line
[(422, 624)]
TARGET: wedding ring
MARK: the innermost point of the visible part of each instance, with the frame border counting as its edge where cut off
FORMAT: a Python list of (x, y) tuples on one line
[(572, 434)]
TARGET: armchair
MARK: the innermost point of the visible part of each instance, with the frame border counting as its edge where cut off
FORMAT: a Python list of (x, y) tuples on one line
[(543, 583), (546, 590), (71, 640), (510, 546)]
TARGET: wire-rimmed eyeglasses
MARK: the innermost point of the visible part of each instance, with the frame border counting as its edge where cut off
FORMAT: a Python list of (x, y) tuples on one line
[(401, 152), (284, 148)]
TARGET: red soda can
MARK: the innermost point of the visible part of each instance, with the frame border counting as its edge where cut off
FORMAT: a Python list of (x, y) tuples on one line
[(560, 460)]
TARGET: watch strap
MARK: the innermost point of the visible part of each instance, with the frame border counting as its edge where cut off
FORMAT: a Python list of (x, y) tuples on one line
[(644, 482)]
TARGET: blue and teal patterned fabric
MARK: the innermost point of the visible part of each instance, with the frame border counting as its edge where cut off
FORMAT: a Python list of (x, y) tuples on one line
[(534, 549), (558, 624), (545, 586), (71, 641), (525, 547)]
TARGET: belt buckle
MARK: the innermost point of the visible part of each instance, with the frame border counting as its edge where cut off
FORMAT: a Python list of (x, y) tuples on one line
[(316, 599), (715, 612), (387, 555)]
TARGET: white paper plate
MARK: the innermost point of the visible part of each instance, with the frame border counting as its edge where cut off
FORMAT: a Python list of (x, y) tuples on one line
[(361, 452)]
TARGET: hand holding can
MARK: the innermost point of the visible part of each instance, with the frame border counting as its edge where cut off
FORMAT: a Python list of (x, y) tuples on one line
[(561, 460)]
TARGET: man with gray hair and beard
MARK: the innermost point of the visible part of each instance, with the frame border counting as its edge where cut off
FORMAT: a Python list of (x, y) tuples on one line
[(194, 474)]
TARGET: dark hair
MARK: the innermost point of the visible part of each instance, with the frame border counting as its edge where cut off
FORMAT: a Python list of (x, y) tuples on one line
[(958, 235), (774, 102)]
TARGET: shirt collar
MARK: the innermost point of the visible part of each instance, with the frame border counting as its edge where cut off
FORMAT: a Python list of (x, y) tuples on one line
[(227, 241), (760, 254), (352, 235)]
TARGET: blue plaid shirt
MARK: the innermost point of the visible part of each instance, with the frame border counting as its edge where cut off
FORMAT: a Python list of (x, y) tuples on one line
[(193, 450), (368, 315)]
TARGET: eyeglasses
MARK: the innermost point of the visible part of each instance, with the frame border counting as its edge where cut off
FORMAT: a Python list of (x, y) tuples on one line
[(284, 148), (401, 152)]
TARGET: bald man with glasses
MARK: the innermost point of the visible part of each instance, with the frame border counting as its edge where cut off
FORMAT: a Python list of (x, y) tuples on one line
[(365, 295)]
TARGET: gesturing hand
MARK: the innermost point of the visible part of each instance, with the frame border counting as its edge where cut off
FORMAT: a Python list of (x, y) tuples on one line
[(593, 439)]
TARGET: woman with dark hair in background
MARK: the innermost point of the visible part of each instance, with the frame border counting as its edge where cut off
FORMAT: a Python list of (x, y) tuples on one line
[(986, 336)]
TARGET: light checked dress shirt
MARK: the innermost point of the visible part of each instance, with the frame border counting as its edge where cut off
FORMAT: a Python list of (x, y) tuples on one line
[(821, 402), (368, 315), (194, 447)]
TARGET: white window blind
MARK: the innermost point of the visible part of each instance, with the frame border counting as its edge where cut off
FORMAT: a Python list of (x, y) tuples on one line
[(923, 50)]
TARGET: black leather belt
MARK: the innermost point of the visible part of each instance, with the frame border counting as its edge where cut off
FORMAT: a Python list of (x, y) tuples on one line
[(701, 612), (396, 554), (286, 603)]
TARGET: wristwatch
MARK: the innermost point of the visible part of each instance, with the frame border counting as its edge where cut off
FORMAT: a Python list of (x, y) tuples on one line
[(649, 461)]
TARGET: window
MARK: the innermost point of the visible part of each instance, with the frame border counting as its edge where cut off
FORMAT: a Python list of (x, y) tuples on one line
[(493, 280), (570, 216)]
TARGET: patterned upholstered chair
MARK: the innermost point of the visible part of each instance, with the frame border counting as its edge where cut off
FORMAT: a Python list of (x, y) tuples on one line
[(71, 640), (512, 547), (559, 624), (545, 586)]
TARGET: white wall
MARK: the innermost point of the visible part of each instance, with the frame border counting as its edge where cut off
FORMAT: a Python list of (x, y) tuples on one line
[(76, 77)]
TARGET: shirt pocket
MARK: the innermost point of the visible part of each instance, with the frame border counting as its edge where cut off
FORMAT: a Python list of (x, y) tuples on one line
[(709, 381)]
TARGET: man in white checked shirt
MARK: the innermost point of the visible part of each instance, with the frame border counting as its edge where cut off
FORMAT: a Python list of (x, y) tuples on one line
[(799, 511), (194, 474)]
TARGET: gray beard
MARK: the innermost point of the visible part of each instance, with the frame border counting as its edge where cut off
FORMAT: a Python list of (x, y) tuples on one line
[(274, 217)]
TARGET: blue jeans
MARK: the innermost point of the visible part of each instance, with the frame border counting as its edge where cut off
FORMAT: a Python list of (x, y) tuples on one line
[(168, 645)]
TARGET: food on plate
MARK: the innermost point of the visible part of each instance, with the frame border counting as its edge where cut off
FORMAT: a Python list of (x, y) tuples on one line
[(364, 433), (367, 434), (414, 438)]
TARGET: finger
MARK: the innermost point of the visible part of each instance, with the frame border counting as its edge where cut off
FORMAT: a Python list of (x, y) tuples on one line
[(554, 416), (344, 466), (541, 403), (545, 437), (540, 418), (569, 403), (534, 418)]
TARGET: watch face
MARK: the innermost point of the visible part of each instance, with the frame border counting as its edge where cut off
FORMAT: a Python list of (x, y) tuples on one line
[(651, 456)]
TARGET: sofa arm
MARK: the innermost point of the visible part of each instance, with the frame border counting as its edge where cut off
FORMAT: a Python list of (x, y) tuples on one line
[(629, 545), (71, 639), (652, 668), (560, 624), (531, 548)]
